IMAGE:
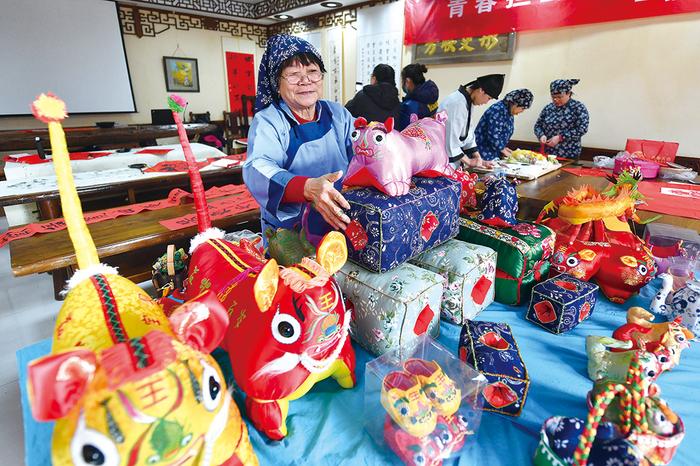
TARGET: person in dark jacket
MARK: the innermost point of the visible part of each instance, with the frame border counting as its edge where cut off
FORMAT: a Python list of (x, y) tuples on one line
[(421, 95), (378, 100)]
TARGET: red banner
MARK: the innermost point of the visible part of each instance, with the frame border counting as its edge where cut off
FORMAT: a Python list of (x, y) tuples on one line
[(220, 208), (176, 197), (438, 20)]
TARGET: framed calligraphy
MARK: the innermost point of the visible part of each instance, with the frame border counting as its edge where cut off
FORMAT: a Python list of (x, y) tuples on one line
[(467, 49)]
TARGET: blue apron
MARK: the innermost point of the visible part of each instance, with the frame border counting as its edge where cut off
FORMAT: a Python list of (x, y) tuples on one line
[(310, 139)]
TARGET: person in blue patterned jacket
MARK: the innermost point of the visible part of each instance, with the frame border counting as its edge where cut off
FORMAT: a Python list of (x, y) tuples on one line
[(562, 123), (496, 125)]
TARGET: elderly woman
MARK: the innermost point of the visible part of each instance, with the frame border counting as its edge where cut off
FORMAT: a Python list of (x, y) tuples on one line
[(562, 123), (496, 126), (298, 145)]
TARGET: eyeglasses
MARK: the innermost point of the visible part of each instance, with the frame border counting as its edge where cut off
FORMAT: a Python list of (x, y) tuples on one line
[(295, 78), (558, 96)]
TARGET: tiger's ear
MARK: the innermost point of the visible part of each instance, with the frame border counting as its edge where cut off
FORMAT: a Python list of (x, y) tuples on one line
[(200, 322), (265, 286), (389, 124), (58, 382), (332, 252), (360, 123)]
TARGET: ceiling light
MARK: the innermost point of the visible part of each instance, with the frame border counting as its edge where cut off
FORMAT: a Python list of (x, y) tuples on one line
[(331, 4), (283, 16)]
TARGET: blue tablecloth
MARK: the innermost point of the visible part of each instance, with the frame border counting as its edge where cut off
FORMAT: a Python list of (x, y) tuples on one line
[(326, 426)]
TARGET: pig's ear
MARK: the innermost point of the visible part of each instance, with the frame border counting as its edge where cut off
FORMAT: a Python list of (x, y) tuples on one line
[(265, 286), (58, 382), (389, 124), (360, 123)]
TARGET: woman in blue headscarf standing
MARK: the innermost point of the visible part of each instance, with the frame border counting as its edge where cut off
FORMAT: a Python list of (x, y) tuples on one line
[(563, 122), (298, 145), (497, 124)]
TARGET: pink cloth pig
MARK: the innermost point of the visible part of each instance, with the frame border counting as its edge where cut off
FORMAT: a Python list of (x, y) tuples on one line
[(387, 159)]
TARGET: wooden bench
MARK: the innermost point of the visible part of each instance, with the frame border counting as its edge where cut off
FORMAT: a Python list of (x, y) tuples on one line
[(131, 243)]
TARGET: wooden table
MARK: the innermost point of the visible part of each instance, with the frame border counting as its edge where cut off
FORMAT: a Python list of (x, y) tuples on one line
[(49, 203), (535, 194), (131, 243), (144, 135)]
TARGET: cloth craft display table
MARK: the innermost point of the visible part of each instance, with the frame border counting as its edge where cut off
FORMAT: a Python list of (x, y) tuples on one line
[(326, 426)]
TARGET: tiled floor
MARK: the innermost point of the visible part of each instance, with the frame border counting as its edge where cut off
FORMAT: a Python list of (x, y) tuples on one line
[(27, 314)]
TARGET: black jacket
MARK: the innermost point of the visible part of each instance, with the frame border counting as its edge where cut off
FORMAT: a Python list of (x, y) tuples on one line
[(375, 102)]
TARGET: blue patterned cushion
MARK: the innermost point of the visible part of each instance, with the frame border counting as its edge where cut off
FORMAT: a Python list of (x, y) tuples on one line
[(561, 303), (500, 202), (392, 309), (490, 348), (387, 231), (470, 271)]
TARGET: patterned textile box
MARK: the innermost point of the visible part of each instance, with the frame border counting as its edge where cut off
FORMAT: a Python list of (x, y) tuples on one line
[(387, 231), (391, 309), (491, 349), (522, 255), (561, 303), (470, 271)]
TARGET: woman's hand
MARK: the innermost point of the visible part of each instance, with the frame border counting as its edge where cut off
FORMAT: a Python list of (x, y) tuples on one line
[(554, 140), (506, 152), (327, 200)]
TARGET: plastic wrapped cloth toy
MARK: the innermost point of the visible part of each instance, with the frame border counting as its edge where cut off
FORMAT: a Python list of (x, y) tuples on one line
[(387, 159), (649, 336), (288, 326), (609, 358), (124, 384), (683, 304)]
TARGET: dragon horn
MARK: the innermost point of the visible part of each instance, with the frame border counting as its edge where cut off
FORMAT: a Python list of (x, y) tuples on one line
[(177, 105), (51, 110)]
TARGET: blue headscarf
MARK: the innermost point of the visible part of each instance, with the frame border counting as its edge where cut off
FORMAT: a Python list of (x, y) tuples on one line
[(520, 97), (280, 47), (562, 85)]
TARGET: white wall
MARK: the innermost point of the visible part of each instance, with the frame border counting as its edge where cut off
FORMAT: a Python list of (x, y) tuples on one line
[(145, 56), (639, 78)]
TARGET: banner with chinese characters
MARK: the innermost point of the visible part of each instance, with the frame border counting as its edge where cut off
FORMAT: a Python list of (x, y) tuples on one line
[(466, 49), (439, 20)]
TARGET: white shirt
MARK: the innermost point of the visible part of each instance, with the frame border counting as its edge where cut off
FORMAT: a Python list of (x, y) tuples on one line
[(458, 137)]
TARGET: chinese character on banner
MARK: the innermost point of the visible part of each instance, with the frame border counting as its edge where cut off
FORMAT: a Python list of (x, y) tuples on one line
[(464, 44), (448, 46), (456, 7), (430, 48), (484, 6), (488, 42), (514, 3)]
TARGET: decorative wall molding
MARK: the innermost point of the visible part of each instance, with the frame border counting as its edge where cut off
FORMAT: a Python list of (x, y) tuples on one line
[(147, 22), (310, 23), (244, 10)]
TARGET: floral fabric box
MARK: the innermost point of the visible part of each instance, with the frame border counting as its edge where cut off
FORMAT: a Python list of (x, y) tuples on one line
[(561, 303), (386, 231), (490, 348), (470, 271), (392, 309), (523, 253)]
